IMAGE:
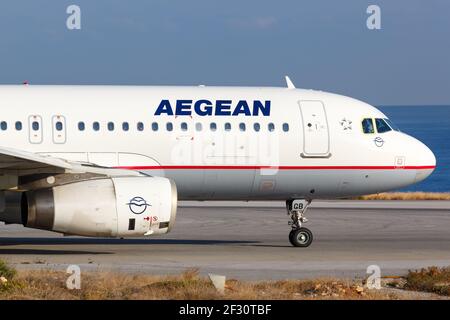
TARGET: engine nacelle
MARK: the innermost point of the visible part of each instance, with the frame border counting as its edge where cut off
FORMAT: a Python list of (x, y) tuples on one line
[(112, 207)]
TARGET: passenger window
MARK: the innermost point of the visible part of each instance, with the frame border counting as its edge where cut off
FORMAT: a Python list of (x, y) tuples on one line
[(169, 126), (59, 126), (81, 126), (242, 126), (18, 125), (111, 126), (35, 125), (198, 126), (271, 127), (184, 126), (285, 127), (382, 126), (96, 126), (140, 126), (257, 127), (367, 125), (227, 126), (213, 126), (3, 125), (155, 126), (125, 126)]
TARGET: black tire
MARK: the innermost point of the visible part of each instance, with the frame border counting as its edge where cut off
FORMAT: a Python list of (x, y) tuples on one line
[(302, 237), (291, 234)]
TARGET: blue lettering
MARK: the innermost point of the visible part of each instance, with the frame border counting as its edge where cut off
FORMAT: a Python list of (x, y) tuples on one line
[(207, 111), (164, 107), (205, 107), (223, 108), (183, 108), (242, 107), (258, 105)]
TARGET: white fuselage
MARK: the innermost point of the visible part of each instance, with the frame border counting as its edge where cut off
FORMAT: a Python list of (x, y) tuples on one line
[(317, 148)]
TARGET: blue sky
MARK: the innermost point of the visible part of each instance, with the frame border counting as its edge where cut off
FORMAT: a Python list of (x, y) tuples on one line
[(321, 44)]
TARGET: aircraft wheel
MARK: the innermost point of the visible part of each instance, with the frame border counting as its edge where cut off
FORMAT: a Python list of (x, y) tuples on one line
[(301, 237), (290, 236)]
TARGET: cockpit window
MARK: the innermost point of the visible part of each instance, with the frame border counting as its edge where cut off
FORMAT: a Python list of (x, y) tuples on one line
[(382, 126), (392, 125), (367, 125)]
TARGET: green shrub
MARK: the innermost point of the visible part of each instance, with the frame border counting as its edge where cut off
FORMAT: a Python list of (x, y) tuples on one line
[(6, 271), (431, 279)]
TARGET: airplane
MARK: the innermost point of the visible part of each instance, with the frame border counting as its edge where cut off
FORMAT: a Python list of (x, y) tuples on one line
[(113, 161)]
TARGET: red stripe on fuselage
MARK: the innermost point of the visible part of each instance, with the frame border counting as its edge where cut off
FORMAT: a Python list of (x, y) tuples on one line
[(275, 167)]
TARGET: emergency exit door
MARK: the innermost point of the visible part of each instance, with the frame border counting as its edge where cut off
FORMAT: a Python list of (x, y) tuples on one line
[(35, 129), (59, 129), (316, 139)]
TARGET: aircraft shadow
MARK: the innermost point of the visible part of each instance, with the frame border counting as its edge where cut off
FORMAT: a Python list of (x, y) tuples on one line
[(271, 246), (4, 251), (106, 241)]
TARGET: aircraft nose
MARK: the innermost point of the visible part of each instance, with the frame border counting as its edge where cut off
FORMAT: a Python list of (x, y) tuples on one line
[(429, 163)]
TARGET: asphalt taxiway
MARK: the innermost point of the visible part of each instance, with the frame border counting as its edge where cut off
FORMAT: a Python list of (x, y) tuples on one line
[(249, 241)]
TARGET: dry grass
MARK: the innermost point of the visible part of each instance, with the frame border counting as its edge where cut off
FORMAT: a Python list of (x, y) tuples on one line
[(189, 285), (407, 196), (51, 285), (432, 279)]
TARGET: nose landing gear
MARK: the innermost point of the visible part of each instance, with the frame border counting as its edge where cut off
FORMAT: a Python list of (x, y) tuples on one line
[(299, 236)]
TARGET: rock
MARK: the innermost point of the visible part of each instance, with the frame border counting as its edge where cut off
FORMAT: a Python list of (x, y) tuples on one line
[(3, 280), (359, 289), (218, 281)]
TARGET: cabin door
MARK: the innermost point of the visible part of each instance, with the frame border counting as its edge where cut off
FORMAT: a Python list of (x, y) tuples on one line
[(316, 138)]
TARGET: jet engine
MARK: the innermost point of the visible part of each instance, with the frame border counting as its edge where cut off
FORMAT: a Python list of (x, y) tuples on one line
[(110, 207)]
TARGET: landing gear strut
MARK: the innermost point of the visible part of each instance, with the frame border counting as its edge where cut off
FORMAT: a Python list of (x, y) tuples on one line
[(299, 236)]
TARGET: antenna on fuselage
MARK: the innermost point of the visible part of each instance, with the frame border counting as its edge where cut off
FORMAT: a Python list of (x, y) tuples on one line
[(289, 83)]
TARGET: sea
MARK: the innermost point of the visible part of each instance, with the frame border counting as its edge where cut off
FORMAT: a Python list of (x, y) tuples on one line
[(431, 125)]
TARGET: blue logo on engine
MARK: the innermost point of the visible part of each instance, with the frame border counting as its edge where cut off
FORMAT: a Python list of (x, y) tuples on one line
[(138, 205)]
